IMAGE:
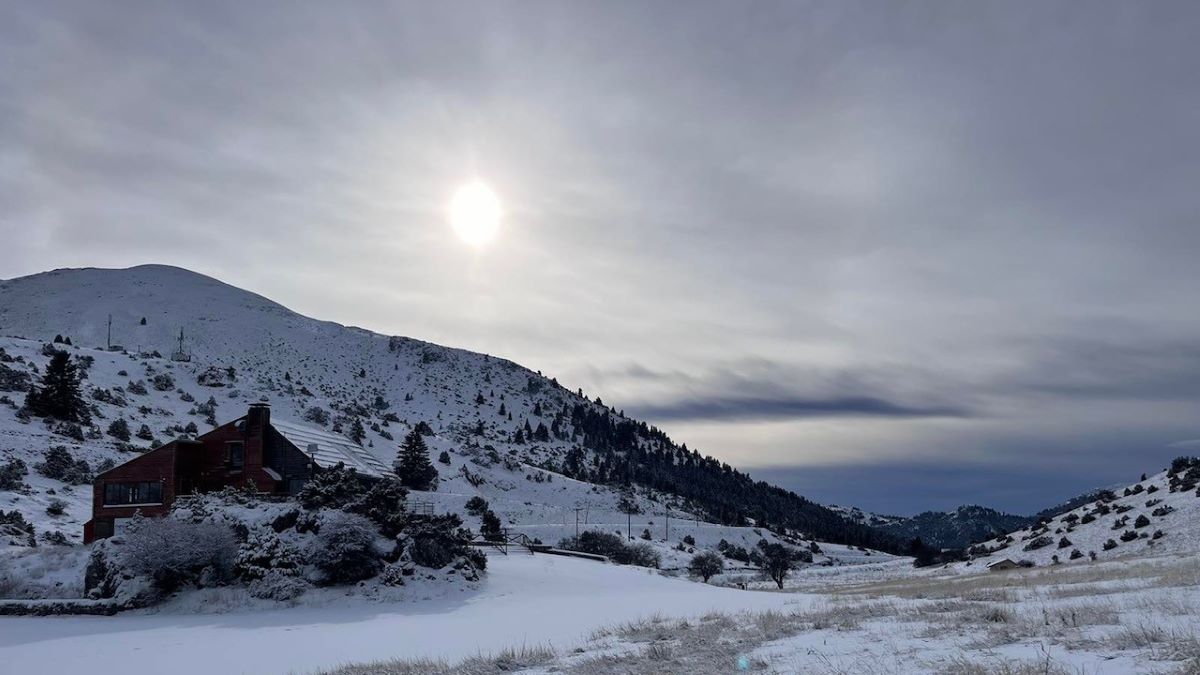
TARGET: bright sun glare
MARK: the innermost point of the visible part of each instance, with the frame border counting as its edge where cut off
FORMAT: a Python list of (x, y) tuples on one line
[(475, 213)]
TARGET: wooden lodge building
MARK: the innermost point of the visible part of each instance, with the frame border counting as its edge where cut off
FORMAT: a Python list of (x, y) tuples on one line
[(273, 457)]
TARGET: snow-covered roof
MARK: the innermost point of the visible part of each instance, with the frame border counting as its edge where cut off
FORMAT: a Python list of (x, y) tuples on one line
[(327, 448)]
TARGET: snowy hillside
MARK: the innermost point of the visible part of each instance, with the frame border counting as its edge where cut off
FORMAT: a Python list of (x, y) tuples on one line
[(508, 434), (1157, 515)]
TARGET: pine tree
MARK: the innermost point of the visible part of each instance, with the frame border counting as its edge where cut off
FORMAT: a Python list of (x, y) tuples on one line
[(490, 526), (413, 467), (357, 433), (58, 396)]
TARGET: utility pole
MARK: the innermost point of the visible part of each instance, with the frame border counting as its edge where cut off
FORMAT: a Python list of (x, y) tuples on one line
[(668, 536), (577, 510), (108, 340), (629, 524)]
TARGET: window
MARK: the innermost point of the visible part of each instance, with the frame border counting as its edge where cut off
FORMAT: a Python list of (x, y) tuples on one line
[(122, 494), (235, 455)]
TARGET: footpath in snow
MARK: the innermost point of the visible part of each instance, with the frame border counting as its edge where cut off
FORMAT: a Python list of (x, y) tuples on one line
[(533, 600)]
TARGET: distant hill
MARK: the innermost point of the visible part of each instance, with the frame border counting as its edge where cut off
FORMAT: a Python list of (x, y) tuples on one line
[(955, 529)]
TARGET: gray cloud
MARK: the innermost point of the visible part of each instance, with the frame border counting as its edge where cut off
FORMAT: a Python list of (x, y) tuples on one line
[(719, 408), (786, 212)]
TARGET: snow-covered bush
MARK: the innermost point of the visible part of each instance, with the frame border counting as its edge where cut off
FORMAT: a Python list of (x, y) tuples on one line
[(119, 429), (138, 388), (613, 547), (345, 550), (12, 474), (476, 506), (278, 587), (59, 464), (56, 507), (163, 382), (264, 554), (15, 530), (171, 552), (317, 415)]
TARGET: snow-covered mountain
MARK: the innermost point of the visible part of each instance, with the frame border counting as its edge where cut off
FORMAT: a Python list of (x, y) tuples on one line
[(955, 529), (1159, 514), (542, 455)]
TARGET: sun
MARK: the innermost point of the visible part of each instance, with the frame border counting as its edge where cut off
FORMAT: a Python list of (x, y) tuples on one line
[(475, 213)]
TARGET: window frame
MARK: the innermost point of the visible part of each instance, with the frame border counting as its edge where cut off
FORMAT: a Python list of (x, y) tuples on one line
[(133, 493)]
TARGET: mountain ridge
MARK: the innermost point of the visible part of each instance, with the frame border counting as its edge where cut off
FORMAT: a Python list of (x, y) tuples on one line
[(473, 401)]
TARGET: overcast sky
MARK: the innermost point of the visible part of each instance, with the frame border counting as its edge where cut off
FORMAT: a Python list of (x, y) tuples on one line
[(904, 255)]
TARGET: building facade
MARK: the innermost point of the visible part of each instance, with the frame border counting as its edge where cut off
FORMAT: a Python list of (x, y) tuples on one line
[(247, 452)]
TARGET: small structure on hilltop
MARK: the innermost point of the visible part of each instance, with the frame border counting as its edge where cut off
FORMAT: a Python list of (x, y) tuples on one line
[(252, 451), (179, 354), (1002, 565)]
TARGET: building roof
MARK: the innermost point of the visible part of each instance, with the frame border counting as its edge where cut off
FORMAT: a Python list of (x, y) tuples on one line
[(328, 449), (1002, 561)]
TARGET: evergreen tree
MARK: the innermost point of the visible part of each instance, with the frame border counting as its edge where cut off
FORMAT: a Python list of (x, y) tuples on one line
[(490, 526), (357, 432), (413, 467), (58, 396)]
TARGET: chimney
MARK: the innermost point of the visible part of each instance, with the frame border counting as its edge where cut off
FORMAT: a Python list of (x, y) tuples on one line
[(257, 419)]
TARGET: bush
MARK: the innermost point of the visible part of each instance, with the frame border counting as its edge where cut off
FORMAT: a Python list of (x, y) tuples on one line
[(119, 429), (334, 487), (278, 587), (56, 507), (476, 506), (60, 465), (706, 565), (12, 474), (1129, 535), (1109, 545), (613, 547), (344, 549), (1038, 542), (173, 552), (689, 540), (1142, 521), (443, 458), (138, 388), (438, 541), (163, 382), (264, 555), (144, 433), (317, 415), (641, 555)]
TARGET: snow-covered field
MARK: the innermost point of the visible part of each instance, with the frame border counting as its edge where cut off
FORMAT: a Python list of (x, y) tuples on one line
[(526, 600), (1119, 617)]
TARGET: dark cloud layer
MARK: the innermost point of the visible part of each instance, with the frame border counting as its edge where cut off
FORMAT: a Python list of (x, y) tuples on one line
[(831, 234), (743, 409)]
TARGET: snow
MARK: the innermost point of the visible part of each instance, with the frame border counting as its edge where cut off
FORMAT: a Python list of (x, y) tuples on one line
[(528, 599)]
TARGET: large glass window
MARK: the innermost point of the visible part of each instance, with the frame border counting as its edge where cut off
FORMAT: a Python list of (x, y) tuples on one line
[(121, 494)]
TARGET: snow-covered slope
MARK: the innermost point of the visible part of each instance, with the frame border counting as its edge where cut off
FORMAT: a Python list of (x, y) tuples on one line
[(1157, 515), (245, 348)]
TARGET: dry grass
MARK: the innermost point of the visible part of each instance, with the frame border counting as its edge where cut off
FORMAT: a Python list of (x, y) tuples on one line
[(506, 661)]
